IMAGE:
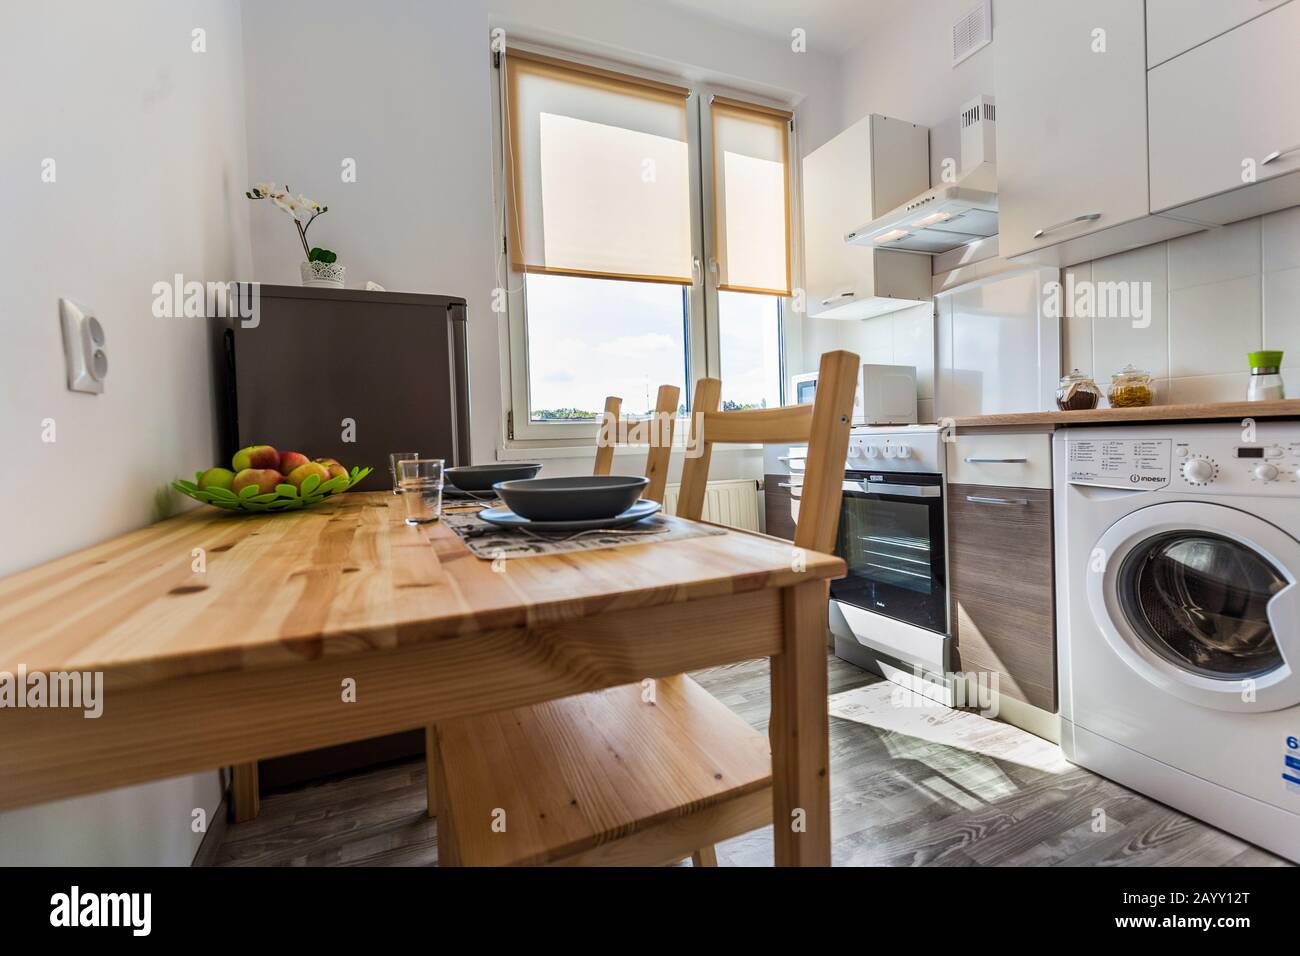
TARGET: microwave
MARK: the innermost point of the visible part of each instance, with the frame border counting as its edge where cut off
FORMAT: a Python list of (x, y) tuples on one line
[(886, 394)]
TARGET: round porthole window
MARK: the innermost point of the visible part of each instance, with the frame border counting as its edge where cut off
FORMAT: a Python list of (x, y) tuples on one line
[(1200, 601)]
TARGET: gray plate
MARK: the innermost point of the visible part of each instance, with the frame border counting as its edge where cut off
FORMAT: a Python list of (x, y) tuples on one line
[(594, 498), (505, 518), (483, 477)]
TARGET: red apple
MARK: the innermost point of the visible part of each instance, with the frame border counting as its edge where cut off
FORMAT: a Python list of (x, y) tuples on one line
[(289, 460), (304, 471), (265, 479), (256, 456), (332, 466)]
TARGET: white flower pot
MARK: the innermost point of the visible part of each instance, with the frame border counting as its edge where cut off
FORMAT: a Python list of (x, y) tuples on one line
[(322, 275)]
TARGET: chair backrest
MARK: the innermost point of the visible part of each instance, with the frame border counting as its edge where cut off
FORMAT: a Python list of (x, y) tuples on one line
[(660, 433), (824, 425)]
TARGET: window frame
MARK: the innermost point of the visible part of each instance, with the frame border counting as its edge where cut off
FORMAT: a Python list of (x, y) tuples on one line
[(701, 318)]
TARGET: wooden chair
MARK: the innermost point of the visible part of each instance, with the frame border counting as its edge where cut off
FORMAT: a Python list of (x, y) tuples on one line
[(662, 425), (643, 774)]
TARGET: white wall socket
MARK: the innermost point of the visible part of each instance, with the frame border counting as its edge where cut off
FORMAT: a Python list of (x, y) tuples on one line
[(83, 347)]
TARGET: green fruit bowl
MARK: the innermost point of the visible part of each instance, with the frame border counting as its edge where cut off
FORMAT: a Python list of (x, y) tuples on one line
[(284, 498)]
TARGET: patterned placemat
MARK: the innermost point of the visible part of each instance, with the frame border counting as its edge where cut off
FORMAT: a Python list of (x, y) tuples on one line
[(490, 542)]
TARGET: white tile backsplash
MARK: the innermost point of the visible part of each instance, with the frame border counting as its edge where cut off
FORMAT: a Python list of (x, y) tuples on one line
[(1217, 295), (1282, 240), (1141, 339), (1215, 255), (1212, 327)]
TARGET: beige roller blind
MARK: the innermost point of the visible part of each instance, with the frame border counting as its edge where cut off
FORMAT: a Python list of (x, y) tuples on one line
[(751, 197), (599, 179)]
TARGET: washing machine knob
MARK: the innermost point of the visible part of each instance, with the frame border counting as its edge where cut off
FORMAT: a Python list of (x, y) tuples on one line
[(1198, 470), (1265, 472)]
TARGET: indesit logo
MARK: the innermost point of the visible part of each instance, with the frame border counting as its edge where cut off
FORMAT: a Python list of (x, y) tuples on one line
[(133, 910), (1135, 479)]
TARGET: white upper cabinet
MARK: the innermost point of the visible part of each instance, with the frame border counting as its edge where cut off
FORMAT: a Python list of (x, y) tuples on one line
[(1072, 125), (874, 165), (1226, 114), (1175, 26)]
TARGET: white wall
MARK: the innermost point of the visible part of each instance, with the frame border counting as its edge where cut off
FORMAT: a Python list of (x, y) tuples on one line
[(403, 88), (148, 143)]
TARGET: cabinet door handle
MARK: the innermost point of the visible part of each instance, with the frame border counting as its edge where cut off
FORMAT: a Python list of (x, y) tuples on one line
[(1277, 153), (981, 500), (843, 295), (789, 484), (1086, 217), (996, 461)]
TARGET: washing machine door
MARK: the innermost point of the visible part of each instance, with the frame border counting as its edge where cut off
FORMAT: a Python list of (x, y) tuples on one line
[(1202, 601)]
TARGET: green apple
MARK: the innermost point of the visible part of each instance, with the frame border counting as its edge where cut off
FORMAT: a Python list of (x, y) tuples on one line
[(289, 460), (216, 478), (264, 478), (303, 472), (262, 457)]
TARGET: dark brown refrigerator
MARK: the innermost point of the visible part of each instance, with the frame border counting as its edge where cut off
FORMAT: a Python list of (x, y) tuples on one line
[(346, 374), (351, 375)]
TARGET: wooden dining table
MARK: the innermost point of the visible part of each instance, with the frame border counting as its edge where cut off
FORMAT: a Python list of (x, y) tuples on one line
[(225, 639)]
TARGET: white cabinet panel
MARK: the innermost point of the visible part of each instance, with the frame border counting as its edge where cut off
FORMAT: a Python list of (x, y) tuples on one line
[(1175, 26), (998, 351), (874, 165), (1071, 119), (1232, 100)]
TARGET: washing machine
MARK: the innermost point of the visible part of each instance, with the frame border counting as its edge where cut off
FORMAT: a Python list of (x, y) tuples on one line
[(1178, 617)]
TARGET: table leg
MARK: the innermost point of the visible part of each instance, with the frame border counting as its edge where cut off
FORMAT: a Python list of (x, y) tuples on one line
[(244, 795), (801, 793), (430, 769)]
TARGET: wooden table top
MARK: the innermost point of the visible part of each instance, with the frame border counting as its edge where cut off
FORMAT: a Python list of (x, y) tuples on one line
[(345, 577), (1199, 411)]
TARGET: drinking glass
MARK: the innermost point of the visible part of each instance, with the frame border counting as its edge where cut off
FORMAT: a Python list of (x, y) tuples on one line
[(420, 480), (393, 459)]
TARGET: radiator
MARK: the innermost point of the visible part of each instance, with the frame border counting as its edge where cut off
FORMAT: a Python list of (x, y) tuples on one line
[(733, 503)]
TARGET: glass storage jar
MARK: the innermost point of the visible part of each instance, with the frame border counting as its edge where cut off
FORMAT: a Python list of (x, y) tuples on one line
[(1130, 388), (1076, 392)]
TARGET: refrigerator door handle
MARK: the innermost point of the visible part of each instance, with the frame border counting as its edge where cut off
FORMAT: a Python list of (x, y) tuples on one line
[(458, 345)]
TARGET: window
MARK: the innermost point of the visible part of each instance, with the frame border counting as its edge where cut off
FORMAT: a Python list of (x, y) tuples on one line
[(646, 240)]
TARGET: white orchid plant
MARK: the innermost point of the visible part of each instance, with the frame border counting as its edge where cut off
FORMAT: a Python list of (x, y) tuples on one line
[(302, 210)]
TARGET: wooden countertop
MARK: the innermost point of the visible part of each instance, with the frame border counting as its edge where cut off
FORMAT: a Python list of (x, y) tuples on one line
[(345, 577), (1203, 411)]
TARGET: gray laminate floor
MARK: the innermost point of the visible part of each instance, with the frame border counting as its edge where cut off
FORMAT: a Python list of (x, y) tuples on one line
[(909, 786)]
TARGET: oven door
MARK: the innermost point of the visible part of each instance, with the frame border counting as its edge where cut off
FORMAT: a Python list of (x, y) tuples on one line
[(891, 536)]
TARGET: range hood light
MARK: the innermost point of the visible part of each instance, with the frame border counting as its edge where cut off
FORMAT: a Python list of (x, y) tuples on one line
[(931, 219), (892, 236)]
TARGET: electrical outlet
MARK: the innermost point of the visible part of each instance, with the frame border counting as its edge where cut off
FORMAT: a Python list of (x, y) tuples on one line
[(83, 348)]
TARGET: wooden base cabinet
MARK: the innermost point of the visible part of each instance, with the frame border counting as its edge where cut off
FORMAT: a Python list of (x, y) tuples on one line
[(1000, 574)]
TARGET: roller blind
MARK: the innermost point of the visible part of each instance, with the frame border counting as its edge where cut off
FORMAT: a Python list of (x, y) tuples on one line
[(751, 197), (599, 176)]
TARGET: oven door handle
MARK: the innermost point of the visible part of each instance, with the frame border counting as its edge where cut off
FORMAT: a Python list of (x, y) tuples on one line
[(886, 488)]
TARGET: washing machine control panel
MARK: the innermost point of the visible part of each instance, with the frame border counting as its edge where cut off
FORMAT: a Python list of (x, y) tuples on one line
[(1213, 463)]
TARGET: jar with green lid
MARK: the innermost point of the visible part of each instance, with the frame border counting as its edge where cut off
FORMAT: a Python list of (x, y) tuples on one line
[(1265, 378), (1130, 388), (1077, 392)]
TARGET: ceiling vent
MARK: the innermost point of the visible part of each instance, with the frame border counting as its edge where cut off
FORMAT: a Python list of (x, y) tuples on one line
[(972, 32)]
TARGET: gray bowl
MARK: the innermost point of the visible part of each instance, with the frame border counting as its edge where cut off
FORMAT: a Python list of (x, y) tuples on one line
[(483, 477), (571, 499)]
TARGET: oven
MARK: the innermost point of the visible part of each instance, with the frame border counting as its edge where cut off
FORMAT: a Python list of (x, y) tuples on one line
[(891, 537)]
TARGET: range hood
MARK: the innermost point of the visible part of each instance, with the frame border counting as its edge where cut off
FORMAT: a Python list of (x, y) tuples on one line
[(939, 220)]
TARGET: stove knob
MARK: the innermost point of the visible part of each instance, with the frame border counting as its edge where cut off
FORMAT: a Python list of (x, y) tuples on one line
[(891, 451), (869, 451), (1198, 470), (1265, 472), (855, 451), (904, 451)]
